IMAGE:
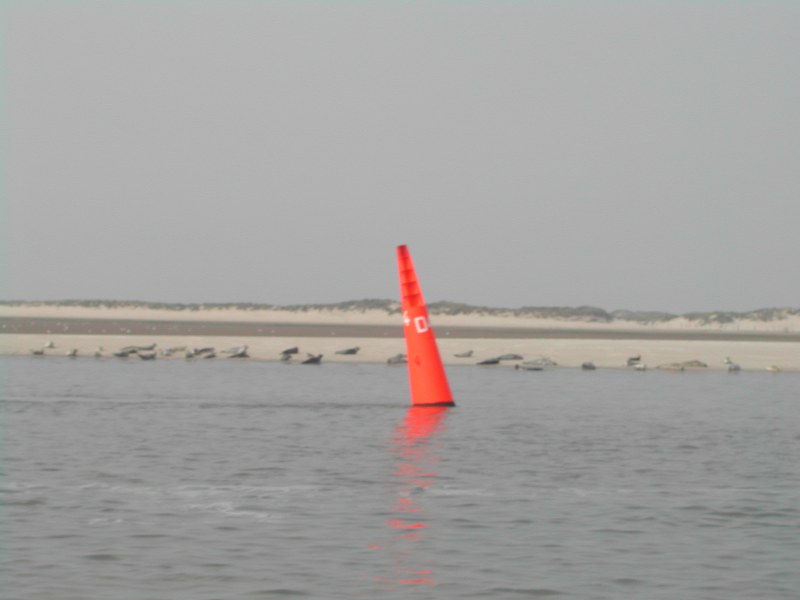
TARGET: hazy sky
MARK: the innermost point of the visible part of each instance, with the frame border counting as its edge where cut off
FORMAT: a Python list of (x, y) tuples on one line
[(638, 154)]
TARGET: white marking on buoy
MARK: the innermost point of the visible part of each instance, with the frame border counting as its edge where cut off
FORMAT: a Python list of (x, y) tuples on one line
[(421, 323)]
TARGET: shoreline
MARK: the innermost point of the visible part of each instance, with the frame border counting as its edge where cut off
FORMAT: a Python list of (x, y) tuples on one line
[(477, 330), (379, 337), (369, 316), (566, 352)]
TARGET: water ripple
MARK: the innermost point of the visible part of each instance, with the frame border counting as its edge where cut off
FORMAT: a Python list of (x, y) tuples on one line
[(260, 481)]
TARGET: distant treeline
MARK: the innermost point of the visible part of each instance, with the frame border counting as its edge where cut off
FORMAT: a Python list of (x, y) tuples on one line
[(564, 313)]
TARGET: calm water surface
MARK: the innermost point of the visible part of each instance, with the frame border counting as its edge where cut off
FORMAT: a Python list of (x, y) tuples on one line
[(224, 479)]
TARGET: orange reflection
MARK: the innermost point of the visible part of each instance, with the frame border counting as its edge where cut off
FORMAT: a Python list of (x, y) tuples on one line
[(414, 446)]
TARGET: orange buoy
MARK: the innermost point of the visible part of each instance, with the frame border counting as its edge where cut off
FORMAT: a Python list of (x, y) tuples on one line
[(426, 375)]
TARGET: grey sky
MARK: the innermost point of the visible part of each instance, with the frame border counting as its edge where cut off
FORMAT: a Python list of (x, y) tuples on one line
[(641, 155)]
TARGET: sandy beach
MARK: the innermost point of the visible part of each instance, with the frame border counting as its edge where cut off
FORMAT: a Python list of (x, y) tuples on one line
[(378, 335)]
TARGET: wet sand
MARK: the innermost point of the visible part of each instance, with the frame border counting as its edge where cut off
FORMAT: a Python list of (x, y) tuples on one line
[(54, 326)]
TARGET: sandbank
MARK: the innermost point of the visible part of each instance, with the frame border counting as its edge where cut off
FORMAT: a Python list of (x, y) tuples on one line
[(379, 337)]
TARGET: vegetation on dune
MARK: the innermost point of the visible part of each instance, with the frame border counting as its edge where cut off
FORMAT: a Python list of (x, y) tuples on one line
[(459, 308), (643, 316), (762, 314), (711, 318), (562, 313), (579, 313), (355, 305)]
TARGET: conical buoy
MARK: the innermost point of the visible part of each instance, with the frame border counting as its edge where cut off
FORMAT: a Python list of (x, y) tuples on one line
[(428, 381)]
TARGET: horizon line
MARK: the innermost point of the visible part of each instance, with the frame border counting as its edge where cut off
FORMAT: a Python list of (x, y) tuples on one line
[(391, 305)]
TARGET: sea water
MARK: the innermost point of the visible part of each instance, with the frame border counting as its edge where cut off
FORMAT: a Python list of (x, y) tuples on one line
[(223, 479)]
